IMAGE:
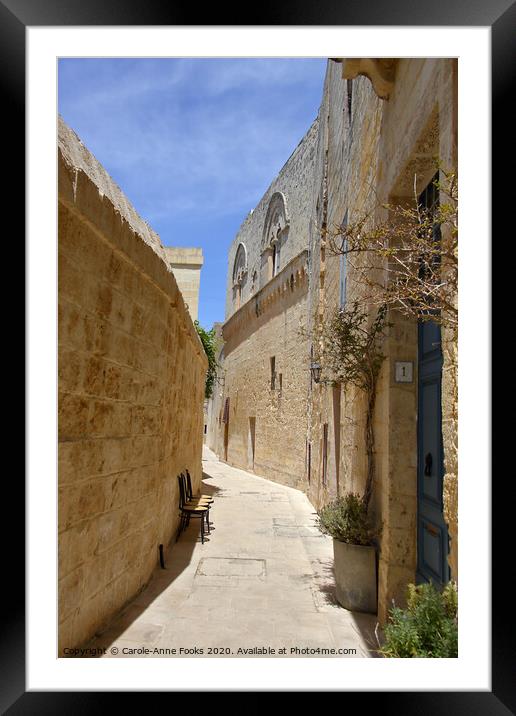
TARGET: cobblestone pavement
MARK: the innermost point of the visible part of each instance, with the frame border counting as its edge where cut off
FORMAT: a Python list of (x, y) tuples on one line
[(262, 581)]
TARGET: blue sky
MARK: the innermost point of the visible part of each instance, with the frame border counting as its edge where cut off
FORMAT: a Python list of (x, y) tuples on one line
[(193, 143)]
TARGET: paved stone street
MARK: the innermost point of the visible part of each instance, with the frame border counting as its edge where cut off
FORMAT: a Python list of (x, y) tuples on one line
[(264, 579)]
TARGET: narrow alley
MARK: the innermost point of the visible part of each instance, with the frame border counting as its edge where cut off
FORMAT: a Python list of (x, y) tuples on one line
[(331, 378), (262, 581)]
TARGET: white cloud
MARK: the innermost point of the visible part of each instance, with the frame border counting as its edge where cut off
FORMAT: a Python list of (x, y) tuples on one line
[(192, 135)]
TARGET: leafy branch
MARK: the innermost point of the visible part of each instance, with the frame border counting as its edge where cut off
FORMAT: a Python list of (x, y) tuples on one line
[(416, 250), (350, 347), (209, 342)]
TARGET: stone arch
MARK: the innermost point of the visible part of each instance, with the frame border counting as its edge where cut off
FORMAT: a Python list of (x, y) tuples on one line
[(239, 274), (277, 220), (240, 264), (275, 233)]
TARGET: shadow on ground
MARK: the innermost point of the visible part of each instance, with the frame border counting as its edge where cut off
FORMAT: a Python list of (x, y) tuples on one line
[(177, 557), (365, 624)]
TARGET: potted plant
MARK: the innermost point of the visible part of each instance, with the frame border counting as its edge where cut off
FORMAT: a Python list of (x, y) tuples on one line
[(346, 520)]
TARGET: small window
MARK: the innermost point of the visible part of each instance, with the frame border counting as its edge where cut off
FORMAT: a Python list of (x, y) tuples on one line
[(275, 259), (349, 98), (225, 416), (325, 454), (273, 372), (343, 267), (429, 197), (428, 202), (280, 377)]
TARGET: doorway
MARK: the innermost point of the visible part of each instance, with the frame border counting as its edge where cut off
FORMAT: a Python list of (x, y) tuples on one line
[(432, 531)]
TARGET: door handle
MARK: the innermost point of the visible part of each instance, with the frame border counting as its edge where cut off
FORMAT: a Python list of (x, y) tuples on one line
[(428, 464)]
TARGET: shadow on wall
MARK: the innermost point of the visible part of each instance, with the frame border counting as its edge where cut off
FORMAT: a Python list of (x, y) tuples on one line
[(177, 557)]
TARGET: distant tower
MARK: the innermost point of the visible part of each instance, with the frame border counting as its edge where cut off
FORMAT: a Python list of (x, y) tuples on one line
[(186, 266)]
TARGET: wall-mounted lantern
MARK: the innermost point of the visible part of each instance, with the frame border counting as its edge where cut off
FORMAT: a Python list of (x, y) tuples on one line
[(316, 371)]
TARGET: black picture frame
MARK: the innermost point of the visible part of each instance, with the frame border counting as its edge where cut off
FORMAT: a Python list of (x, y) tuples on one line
[(15, 17)]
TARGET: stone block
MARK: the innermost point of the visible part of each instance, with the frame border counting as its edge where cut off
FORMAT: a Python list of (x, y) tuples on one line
[(119, 308), (72, 416)]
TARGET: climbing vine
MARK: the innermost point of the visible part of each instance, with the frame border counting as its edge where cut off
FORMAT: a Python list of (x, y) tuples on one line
[(409, 263), (209, 342), (350, 348), (416, 249)]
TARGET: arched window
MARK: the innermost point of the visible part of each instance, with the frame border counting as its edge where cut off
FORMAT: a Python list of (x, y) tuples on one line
[(239, 275), (275, 233)]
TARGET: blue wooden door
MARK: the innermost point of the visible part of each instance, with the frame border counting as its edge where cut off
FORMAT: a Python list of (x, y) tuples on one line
[(432, 532)]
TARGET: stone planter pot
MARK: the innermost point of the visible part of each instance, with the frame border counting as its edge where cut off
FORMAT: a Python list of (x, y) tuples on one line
[(355, 576)]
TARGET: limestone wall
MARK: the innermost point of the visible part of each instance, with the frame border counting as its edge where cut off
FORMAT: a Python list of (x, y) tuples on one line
[(186, 264), (295, 182), (131, 388), (366, 157), (264, 328), (213, 413), (361, 153), (263, 334)]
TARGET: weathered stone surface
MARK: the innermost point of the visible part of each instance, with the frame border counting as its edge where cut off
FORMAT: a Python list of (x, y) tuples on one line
[(245, 587), (131, 388), (186, 264), (266, 323), (367, 157), (362, 152)]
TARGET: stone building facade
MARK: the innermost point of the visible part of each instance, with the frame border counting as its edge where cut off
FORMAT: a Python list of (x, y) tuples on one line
[(381, 126), (261, 422), (212, 406), (131, 389), (186, 264)]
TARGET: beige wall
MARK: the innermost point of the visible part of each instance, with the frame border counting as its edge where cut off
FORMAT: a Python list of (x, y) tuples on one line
[(346, 163), (295, 184), (214, 404), (362, 163), (186, 264), (269, 327), (131, 387), (267, 321)]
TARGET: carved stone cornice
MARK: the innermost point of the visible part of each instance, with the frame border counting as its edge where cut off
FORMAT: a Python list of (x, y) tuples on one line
[(381, 71), (291, 279)]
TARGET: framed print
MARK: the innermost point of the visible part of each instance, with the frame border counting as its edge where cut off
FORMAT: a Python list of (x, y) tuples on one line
[(270, 274)]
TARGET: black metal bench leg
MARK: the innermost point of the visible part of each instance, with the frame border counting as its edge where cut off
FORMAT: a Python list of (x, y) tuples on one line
[(180, 528)]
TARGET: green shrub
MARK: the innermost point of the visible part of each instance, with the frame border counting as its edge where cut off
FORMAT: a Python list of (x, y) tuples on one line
[(346, 519), (427, 627), (209, 340)]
